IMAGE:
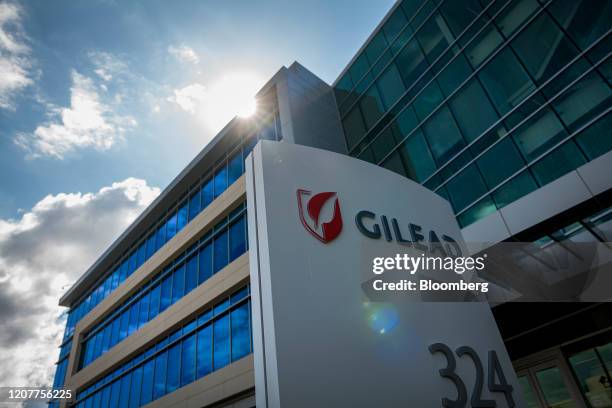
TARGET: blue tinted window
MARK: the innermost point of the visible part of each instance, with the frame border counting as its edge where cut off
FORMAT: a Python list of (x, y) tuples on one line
[(235, 167), (96, 400), (166, 293), (220, 248), (562, 160), (241, 335), (207, 194), (181, 219), (193, 355), (123, 328), (115, 279), (146, 393), (221, 343), (543, 48), (520, 185), (154, 303), (204, 357), (150, 245), (465, 188), (221, 307), (443, 136), (106, 395), (173, 379), (159, 388), (135, 387), (97, 345), (175, 335), (537, 135), (178, 284), (390, 85), (132, 264), (89, 346), (417, 158), (115, 394), (191, 275), (220, 181), (237, 239), (107, 285), (394, 24), (473, 122), (144, 309), (500, 162), (428, 100), (115, 332), (238, 296), (194, 205), (204, 317), (141, 254), (124, 271), (125, 390), (161, 236), (171, 227), (506, 81), (133, 318), (205, 260), (188, 360), (106, 338)]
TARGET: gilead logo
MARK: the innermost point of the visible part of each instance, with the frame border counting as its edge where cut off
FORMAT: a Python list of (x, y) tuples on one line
[(310, 208)]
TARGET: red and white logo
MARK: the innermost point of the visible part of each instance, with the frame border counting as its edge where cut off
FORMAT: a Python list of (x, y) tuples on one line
[(311, 207)]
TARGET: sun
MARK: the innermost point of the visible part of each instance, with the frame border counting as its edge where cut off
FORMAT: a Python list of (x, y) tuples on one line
[(233, 94)]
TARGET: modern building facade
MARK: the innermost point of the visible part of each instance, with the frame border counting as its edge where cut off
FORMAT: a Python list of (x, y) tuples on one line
[(501, 107), (166, 309)]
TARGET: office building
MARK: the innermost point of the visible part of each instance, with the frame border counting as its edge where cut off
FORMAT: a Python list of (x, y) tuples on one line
[(503, 108), (500, 107)]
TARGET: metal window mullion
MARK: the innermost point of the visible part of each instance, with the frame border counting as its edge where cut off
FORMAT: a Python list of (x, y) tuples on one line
[(467, 80), (520, 124), (531, 163), (527, 98), (434, 78), (392, 60), (148, 287), (172, 343), (409, 20), (427, 71)]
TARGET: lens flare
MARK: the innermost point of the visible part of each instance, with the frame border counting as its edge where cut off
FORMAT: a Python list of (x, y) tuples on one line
[(382, 318)]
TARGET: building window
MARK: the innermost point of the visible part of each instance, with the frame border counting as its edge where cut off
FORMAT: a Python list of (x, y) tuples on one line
[(443, 136), (190, 352), (226, 242)]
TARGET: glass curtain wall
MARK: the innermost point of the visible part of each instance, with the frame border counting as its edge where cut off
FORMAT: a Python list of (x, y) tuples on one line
[(482, 101)]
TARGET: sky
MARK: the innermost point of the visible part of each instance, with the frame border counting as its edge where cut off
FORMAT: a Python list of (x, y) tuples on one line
[(102, 103)]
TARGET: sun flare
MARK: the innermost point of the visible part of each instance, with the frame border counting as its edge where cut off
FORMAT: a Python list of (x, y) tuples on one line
[(231, 95)]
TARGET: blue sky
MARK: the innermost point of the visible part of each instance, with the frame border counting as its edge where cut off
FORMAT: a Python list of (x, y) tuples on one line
[(102, 103), (132, 56)]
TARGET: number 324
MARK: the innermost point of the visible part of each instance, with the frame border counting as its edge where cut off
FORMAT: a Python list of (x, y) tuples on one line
[(494, 368)]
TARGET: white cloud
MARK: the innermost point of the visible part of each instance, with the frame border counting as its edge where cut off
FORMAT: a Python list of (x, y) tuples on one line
[(88, 122), (14, 55), (107, 65), (216, 104), (41, 254), (189, 97), (184, 54)]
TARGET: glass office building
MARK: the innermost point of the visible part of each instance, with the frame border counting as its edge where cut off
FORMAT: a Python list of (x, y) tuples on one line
[(502, 107), (482, 101), (499, 106), (163, 317)]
